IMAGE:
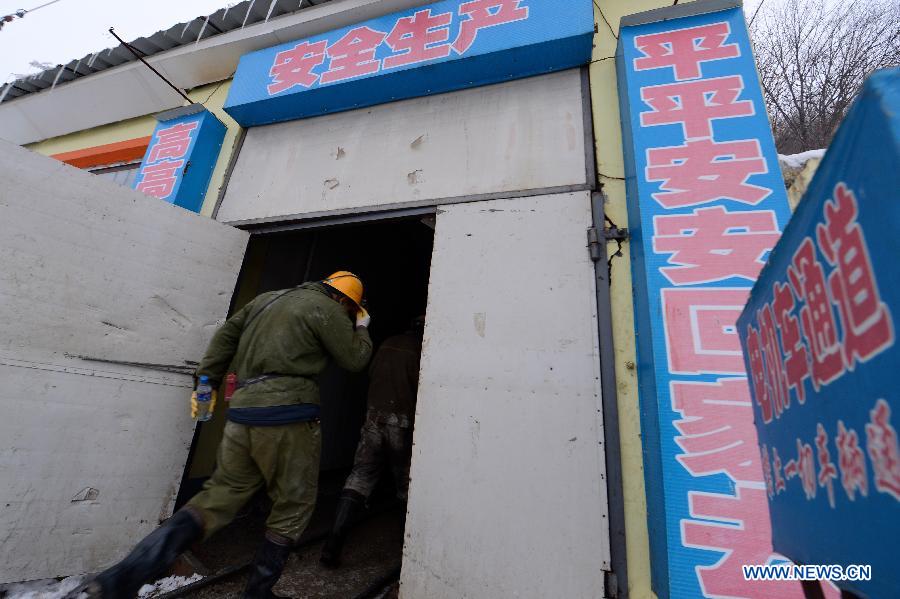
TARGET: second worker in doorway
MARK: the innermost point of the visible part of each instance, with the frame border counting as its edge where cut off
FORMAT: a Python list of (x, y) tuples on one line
[(386, 435), (276, 345)]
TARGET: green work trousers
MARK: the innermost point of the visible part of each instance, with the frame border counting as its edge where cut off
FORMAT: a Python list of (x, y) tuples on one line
[(283, 459)]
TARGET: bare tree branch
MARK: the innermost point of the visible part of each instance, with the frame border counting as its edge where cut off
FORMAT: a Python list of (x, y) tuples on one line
[(813, 58)]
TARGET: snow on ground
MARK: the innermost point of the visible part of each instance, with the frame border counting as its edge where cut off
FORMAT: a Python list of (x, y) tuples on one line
[(799, 160), (166, 585), (54, 589)]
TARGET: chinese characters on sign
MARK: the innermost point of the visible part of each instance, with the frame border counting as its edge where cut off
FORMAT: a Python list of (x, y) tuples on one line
[(706, 194), (165, 160), (842, 319), (441, 47), (819, 338), (420, 38), (179, 161)]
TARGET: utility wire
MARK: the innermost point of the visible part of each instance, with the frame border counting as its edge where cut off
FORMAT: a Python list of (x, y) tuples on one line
[(756, 12), (20, 13)]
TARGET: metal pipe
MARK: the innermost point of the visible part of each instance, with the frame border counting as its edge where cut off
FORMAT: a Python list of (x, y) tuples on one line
[(617, 584)]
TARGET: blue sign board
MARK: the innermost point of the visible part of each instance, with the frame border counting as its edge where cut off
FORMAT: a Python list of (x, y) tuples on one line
[(820, 339), (181, 156), (706, 205), (440, 47)]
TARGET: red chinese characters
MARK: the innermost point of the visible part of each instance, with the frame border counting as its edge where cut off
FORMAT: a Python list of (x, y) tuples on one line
[(868, 328), (827, 471), (738, 525), (780, 485), (159, 179), (714, 244), (884, 450), (796, 357), (806, 469), (483, 14), (852, 463), (354, 55), (172, 142), (294, 67), (695, 104), (702, 171), (701, 335), (419, 38), (717, 433), (819, 325), (685, 49)]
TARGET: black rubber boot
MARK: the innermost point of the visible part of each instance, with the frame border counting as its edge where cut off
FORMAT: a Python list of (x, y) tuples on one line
[(348, 505), (266, 570), (149, 560)]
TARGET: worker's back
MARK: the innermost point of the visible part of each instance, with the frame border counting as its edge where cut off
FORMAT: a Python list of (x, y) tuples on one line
[(394, 375), (288, 335)]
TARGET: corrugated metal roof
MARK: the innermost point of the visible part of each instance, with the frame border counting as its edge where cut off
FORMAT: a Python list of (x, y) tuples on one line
[(182, 34)]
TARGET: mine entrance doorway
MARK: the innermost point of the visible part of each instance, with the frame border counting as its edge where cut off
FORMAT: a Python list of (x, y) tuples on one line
[(393, 258)]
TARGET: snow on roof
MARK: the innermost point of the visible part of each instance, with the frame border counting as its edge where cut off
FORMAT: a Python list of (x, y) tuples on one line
[(202, 27)]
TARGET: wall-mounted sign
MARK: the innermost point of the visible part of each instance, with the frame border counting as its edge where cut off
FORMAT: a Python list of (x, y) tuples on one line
[(706, 205), (426, 50), (181, 156), (820, 336)]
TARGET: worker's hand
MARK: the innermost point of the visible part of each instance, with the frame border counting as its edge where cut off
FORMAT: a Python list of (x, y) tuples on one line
[(362, 318), (195, 408)]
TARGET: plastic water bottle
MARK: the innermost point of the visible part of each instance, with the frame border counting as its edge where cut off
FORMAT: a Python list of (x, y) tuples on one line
[(204, 398)]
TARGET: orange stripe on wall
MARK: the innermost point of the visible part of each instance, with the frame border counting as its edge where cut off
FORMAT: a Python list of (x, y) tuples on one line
[(122, 151)]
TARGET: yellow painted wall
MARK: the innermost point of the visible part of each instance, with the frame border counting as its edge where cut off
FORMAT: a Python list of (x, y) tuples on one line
[(611, 170), (212, 96)]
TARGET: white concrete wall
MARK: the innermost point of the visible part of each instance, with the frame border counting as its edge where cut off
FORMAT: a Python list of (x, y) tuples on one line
[(508, 494), (91, 454), (525, 134)]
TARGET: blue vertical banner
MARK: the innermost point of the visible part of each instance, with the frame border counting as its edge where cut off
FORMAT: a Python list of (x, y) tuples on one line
[(182, 154), (706, 205), (820, 340)]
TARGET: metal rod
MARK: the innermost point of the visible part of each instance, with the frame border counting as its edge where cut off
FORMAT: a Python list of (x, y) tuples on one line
[(609, 396), (173, 368), (148, 65)]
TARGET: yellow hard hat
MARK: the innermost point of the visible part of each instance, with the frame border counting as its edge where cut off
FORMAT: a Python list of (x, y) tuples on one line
[(348, 284)]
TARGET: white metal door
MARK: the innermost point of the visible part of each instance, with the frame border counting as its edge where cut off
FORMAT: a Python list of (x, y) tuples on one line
[(527, 134), (508, 493), (92, 275)]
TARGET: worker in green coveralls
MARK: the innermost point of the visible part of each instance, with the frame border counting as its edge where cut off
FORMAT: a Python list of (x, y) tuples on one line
[(276, 345)]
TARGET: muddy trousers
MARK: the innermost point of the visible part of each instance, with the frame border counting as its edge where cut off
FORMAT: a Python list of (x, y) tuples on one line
[(380, 445), (282, 459)]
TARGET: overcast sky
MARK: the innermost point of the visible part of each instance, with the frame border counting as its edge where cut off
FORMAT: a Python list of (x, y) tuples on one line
[(70, 29)]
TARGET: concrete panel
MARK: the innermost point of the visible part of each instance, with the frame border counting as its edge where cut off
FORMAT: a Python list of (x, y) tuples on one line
[(92, 452), (508, 495), (525, 134)]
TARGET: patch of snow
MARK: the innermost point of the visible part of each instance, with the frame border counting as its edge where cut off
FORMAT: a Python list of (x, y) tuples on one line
[(799, 160), (58, 589), (166, 585), (44, 589)]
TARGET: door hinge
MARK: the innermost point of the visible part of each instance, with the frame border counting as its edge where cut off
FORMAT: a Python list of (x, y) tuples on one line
[(611, 234)]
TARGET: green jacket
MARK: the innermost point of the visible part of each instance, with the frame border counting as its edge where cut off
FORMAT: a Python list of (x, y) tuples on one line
[(294, 337)]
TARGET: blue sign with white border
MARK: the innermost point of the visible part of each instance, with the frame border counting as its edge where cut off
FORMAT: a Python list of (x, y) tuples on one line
[(182, 154), (820, 339), (440, 47), (706, 205)]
